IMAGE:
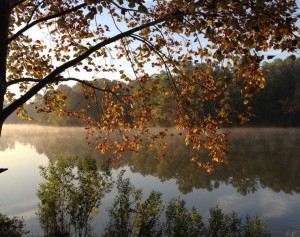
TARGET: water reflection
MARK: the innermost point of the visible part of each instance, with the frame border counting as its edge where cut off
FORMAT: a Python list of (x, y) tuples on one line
[(262, 162), (258, 158)]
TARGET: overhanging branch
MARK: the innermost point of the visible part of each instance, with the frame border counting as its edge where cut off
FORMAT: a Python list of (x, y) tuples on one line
[(27, 27), (20, 80), (55, 73), (61, 79)]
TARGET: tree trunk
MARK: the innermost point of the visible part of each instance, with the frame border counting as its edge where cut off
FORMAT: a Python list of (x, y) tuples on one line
[(4, 19)]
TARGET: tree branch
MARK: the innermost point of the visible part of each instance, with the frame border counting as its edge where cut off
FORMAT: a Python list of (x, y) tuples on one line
[(162, 57), (33, 11), (52, 76), (60, 79), (25, 79), (28, 26), (87, 83)]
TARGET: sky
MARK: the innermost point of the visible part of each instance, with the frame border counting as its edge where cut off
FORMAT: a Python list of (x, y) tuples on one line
[(123, 64)]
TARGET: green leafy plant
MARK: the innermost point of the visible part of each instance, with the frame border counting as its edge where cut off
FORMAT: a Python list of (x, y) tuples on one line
[(182, 222), (70, 196), (132, 217), (12, 226)]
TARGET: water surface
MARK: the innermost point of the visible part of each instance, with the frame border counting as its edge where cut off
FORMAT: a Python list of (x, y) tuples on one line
[(260, 177)]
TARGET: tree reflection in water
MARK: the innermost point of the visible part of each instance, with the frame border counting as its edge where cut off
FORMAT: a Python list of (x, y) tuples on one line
[(258, 157)]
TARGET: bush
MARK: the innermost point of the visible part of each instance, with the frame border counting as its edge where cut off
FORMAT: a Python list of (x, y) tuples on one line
[(11, 227), (132, 217)]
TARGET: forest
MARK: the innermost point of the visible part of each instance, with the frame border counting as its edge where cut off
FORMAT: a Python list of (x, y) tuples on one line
[(278, 104)]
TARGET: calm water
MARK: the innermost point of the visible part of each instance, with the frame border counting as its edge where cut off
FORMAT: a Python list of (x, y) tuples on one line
[(261, 176)]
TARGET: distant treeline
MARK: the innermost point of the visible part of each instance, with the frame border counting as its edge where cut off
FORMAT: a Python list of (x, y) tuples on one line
[(278, 104)]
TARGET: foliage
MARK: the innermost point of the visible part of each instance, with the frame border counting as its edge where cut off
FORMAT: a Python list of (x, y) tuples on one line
[(182, 222), (79, 36), (179, 221), (255, 227), (69, 199), (12, 227), (276, 105), (130, 216), (221, 224)]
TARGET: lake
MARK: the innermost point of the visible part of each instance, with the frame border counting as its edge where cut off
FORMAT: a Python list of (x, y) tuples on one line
[(261, 175)]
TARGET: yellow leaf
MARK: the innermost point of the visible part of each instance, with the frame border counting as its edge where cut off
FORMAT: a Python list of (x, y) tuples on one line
[(187, 139)]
